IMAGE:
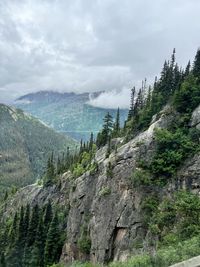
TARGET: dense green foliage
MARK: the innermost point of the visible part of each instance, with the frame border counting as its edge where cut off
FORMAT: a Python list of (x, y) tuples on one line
[(78, 163), (33, 237)]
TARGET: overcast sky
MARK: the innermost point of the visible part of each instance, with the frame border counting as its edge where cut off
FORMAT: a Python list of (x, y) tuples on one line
[(91, 45)]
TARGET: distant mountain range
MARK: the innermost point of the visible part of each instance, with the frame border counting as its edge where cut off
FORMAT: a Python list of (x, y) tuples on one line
[(25, 144), (69, 113)]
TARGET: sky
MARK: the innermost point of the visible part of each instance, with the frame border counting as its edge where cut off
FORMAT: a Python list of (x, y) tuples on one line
[(92, 45)]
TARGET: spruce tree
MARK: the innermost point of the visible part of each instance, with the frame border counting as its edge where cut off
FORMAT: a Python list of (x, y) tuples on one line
[(50, 172), (13, 231), (52, 245), (196, 65), (2, 260), (187, 69), (103, 136), (91, 142), (48, 215), (116, 127), (37, 254), (32, 230), (131, 110)]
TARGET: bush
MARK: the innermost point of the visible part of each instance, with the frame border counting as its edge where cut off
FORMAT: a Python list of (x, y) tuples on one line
[(109, 171), (173, 149), (84, 243), (141, 177), (188, 97), (104, 191)]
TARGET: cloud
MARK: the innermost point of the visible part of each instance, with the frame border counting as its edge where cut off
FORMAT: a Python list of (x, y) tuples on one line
[(74, 45), (112, 99)]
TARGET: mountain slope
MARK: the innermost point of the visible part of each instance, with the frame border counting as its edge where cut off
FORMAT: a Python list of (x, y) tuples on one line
[(25, 144), (68, 112), (105, 214)]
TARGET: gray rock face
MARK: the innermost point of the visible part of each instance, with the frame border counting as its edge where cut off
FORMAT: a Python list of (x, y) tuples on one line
[(195, 120), (108, 205), (105, 209)]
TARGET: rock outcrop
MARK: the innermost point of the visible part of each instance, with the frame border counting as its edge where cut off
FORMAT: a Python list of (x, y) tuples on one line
[(108, 205), (105, 211)]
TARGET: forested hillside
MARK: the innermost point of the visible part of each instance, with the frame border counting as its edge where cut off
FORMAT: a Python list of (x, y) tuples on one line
[(131, 195), (68, 113), (25, 145)]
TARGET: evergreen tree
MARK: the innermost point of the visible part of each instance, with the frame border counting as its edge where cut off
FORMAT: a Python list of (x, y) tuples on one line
[(131, 110), (187, 69), (116, 127), (37, 254), (32, 230), (13, 231), (52, 243), (21, 226), (48, 215), (2, 260), (91, 142), (103, 136), (196, 65), (50, 172)]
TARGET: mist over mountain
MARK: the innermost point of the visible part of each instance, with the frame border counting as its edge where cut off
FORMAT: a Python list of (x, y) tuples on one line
[(69, 113)]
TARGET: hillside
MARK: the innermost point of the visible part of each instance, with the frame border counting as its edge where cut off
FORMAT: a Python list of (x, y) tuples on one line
[(25, 145), (129, 199), (68, 112)]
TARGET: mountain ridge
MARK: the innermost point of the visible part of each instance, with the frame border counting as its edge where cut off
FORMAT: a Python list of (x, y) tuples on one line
[(69, 113), (25, 144)]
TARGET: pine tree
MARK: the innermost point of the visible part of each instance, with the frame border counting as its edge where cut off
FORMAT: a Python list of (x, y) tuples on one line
[(13, 231), (131, 110), (2, 260), (187, 69), (50, 171), (37, 254), (21, 226), (32, 230), (26, 220), (196, 65), (52, 243), (116, 127), (103, 136), (48, 215), (91, 142)]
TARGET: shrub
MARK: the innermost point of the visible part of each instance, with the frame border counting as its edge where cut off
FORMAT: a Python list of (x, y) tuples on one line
[(173, 148), (84, 243), (141, 177), (104, 191)]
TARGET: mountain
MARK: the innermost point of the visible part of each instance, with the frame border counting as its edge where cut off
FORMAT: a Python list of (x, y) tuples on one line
[(69, 113), (25, 144), (132, 198), (106, 214)]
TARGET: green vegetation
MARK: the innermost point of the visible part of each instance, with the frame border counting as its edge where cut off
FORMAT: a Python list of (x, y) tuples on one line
[(33, 237), (172, 149), (69, 113), (171, 220), (164, 257), (78, 163), (25, 144), (105, 191)]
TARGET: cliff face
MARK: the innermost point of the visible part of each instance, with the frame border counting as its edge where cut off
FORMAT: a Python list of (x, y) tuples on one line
[(105, 211)]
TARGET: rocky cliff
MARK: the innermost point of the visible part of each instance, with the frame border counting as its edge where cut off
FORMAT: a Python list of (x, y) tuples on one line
[(105, 217)]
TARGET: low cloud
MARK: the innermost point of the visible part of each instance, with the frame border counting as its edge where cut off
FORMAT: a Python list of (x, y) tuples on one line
[(86, 46), (112, 99)]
